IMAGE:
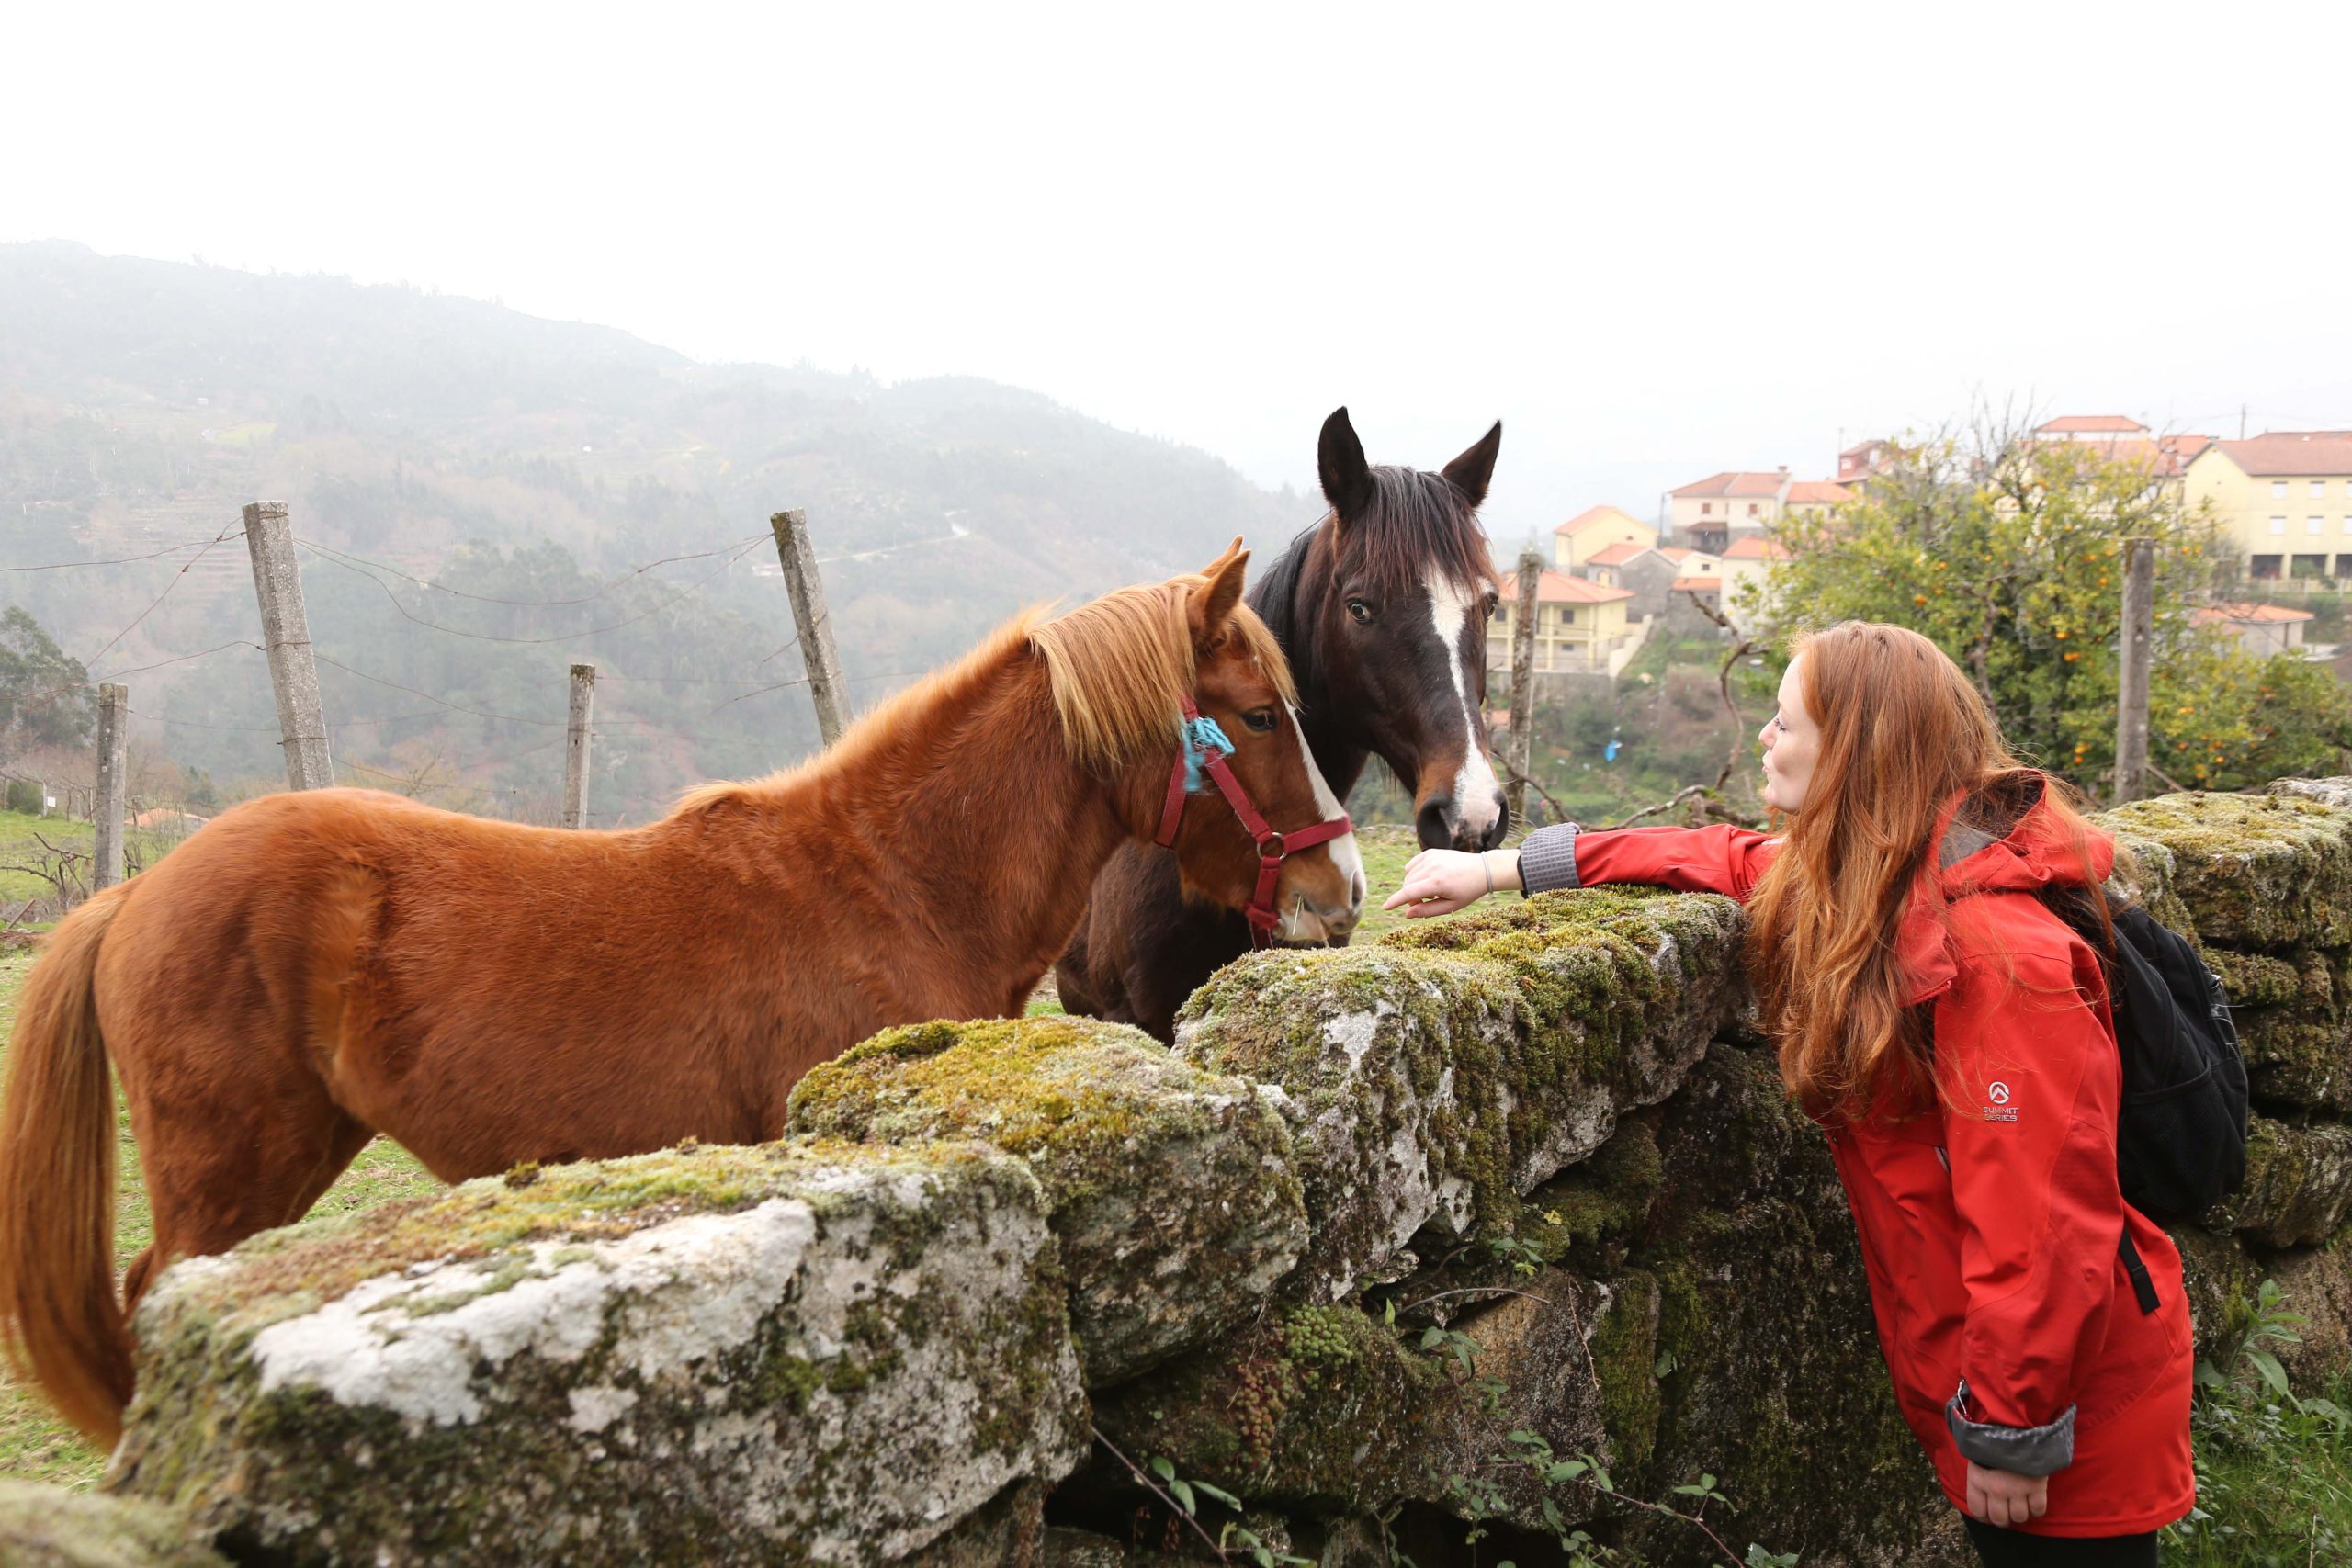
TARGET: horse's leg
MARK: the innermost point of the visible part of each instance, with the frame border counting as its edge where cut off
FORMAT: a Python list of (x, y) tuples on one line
[(1074, 978), (212, 1181)]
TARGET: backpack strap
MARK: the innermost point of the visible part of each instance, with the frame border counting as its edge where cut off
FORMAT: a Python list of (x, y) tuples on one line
[(2141, 1285)]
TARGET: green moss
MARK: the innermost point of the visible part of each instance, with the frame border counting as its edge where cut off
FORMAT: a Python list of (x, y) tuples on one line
[(1152, 1167), (1626, 1359), (2255, 979), (1350, 1419), (1608, 1194), (783, 1377), (2252, 871), (1496, 1041)]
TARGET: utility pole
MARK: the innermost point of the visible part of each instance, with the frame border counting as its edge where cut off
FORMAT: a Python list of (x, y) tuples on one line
[(286, 634), (1522, 755), (114, 708), (807, 587), (2132, 686), (575, 745)]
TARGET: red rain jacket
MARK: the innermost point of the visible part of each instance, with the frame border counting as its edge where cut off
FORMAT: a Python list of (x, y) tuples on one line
[(1990, 1237)]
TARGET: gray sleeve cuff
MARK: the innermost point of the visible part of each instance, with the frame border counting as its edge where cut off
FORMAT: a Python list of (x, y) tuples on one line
[(2022, 1450), (1547, 859)]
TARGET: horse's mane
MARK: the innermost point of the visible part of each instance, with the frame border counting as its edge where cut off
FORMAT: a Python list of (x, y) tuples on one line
[(1122, 665), (1415, 518), (1119, 667)]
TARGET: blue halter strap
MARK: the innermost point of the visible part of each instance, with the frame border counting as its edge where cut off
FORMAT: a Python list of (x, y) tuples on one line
[(1204, 739)]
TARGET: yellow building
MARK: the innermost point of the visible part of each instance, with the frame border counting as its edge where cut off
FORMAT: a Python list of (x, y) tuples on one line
[(1594, 530), (2283, 499), (1579, 624)]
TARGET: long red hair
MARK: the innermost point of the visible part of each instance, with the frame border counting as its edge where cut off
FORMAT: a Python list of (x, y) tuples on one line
[(1903, 732)]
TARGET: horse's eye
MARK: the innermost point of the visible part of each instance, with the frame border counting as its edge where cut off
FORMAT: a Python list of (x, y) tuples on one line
[(1359, 611), (1260, 719)]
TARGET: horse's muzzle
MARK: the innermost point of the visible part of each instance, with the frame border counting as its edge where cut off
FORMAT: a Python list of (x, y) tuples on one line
[(1441, 825)]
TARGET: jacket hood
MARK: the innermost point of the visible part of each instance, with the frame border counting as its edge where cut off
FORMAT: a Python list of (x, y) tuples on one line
[(2004, 838)]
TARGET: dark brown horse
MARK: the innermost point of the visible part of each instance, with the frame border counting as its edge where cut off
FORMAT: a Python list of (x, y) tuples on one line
[(313, 969), (1382, 608)]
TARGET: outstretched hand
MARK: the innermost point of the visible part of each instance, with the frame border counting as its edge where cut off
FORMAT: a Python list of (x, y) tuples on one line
[(1438, 881)]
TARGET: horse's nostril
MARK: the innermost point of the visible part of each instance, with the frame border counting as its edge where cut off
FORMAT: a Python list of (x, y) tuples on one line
[(1436, 823)]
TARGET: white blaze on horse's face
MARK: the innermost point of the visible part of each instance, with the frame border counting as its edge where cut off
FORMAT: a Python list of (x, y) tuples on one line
[(1477, 796), (1300, 923)]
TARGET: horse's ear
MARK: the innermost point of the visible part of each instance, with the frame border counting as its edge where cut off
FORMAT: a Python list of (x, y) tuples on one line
[(1338, 458), (1471, 472), (1212, 603)]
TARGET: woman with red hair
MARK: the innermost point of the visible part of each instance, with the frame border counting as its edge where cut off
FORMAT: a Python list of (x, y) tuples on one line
[(1952, 1036)]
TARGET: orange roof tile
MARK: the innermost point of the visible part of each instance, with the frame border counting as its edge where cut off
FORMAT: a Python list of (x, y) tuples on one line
[(1559, 587), (1754, 547), (1618, 553), (2281, 453), (1592, 515), (1700, 584), (2264, 613), (2091, 425), (1817, 490), (1736, 483)]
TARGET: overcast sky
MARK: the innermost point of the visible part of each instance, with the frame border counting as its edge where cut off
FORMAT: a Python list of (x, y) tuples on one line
[(1656, 241)]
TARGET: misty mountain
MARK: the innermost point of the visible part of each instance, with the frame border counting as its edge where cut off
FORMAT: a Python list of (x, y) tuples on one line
[(456, 464)]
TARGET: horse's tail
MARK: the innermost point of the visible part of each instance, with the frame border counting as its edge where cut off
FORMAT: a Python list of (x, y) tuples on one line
[(60, 1321)]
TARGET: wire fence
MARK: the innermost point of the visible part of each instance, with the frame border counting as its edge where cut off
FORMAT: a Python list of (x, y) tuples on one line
[(756, 681)]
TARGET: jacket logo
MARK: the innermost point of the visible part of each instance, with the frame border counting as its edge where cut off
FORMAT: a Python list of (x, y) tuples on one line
[(1998, 1093), (2000, 1109)]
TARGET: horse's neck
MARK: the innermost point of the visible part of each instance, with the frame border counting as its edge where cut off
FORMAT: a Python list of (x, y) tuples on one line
[(985, 835), (1340, 759)]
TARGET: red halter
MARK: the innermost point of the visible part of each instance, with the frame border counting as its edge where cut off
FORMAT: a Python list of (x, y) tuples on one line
[(1272, 847)]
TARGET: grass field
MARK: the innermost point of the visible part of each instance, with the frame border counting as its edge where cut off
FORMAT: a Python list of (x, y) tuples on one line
[(25, 841)]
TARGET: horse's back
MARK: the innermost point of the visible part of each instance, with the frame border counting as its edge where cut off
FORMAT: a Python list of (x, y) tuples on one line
[(481, 990)]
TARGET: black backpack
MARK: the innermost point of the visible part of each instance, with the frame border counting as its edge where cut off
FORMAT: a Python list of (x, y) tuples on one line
[(2180, 1136)]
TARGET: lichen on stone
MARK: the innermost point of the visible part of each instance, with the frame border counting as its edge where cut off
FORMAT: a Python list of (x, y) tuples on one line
[(822, 1351)]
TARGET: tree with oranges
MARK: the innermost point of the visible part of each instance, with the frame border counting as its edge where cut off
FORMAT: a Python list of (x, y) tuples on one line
[(2008, 553)]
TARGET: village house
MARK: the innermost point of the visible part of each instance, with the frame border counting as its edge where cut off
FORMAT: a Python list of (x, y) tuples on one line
[(2283, 500), (1709, 515), (1579, 624), (2260, 629), (1648, 574), (1596, 529), (1693, 600)]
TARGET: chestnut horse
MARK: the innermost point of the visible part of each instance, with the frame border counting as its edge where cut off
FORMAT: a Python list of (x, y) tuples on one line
[(313, 969), (1382, 609)]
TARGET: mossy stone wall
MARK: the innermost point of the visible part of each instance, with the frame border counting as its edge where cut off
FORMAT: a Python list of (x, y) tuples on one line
[(1394, 1234)]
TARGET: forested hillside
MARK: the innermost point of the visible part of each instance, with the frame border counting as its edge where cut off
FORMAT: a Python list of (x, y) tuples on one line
[(481, 492)]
